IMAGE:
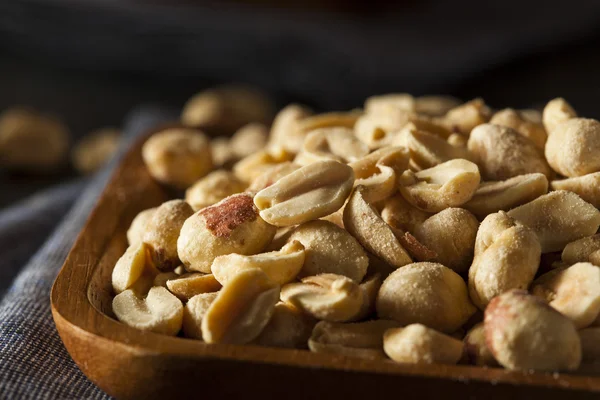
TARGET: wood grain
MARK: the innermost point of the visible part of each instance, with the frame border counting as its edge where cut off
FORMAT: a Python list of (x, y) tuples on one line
[(131, 364)]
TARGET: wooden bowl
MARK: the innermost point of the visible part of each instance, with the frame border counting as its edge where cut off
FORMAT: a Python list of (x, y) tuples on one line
[(128, 363)]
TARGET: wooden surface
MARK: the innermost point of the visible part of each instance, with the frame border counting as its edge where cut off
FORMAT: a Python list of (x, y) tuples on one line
[(129, 364)]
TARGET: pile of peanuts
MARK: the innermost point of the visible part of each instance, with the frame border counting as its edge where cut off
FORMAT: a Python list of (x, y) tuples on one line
[(420, 230)]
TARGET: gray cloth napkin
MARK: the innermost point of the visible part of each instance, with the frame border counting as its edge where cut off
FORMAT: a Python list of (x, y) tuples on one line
[(33, 361)]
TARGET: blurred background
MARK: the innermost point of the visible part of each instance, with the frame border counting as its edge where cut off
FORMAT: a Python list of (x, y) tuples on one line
[(89, 63)]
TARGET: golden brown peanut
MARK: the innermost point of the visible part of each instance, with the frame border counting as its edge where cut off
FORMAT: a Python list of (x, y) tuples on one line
[(451, 235), (309, 193), (327, 297), (159, 312), (503, 153), (364, 223), (435, 106), (573, 149), (507, 256), (417, 250), (491, 197), (272, 175), (378, 130), (95, 149), (221, 151), (230, 226), (369, 289), (329, 120), (286, 130), (450, 184), (177, 157), (256, 164), (280, 266), (336, 143), (136, 230), (241, 310), (162, 231), (32, 142), (590, 345), (533, 130), (586, 186), (288, 328), (401, 215), (581, 250), (556, 112), (330, 249), (249, 139), (227, 108), (428, 150), (418, 344), (465, 117), (558, 218), (130, 267), (389, 103), (213, 188), (573, 291), (191, 284), (193, 313), (425, 293), (476, 347), (359, 339), (524, 333)]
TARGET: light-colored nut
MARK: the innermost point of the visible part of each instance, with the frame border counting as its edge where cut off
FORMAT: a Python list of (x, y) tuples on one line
[(230, 226), (256, 164), (420, 124), (389, 103), (380, 171), (428, 150), (558, 218), (364, 223), (476, 347), (369, 289), (418, 344), (451, 235), (193, 314), (556, 112), (533, 130), (417, 250), (582, 250), (330, 249), (465, 117), (213, 188), (495, 196), (400, 214), (425, 293), (573, 149), (286, 131), (241, 310), (378, 130), (449, 184), (435, 106), (178, 157), (189, 285), (162, 278), (329, 120), (507, 256), (280, 266), (159, 312), (336, 143), (359, 339), (531, 114), (136, 230), (311, 192), (272, 175), (249, 139), (458, 140), (32, 142), (574, 291), (524, 333), (162, 232), (586, 186), (130, 267), (95, 149), (590, 345), (221, 151), (327, 297), (288, 328), (503, 153)]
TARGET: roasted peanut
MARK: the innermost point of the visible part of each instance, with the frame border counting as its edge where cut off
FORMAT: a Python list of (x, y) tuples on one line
[(369, 289), (586, 186), (428, 150), (491, 197), (159, 312), (401, 215), (507, 256), (95, 149), (425, 293), (458, 140), (476, 347), (230, 226), (338, 144), (418, 344), (524, 333), (130, 267), (189, 285), (503, 153), (162, 232), (241, 309), (135, 233), (254, 165), (162, 278), (249, 139), (359, 339), (521, 123), (450, 234), (194, 312), (582, 250), (329, 120), (286, 130), (272, 175), (573, 148), (558, 218), (465, 117), (380, 129), (288, 328), (435, 106), (311, 192), (213, 188), (556, 112), (449, 184)]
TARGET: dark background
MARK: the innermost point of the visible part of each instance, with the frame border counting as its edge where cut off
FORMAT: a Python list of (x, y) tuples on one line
[(91, 62)]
